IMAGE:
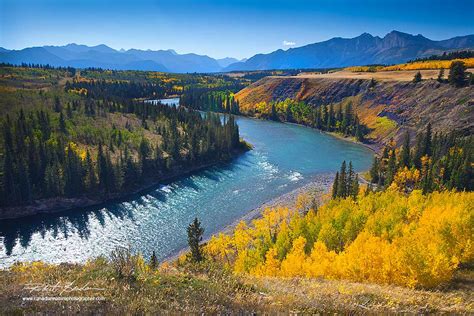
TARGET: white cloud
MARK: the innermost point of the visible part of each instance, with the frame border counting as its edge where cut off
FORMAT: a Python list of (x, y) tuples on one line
[(288, 43)]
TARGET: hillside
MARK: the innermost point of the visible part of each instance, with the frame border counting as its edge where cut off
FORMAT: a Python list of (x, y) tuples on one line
[(388, 108), (130, 284), (71, 141), (395, 47)]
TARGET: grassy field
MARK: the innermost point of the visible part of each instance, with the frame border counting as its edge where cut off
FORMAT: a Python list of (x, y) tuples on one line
[(398, 75), (206, 288)]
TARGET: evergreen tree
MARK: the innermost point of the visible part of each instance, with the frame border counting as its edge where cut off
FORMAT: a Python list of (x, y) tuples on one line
[(195, 232), (62, 123), (10, 189), (350, 179), (342, 186), (372, 83), (355, 186), (374, 170), (417, 77), (90, 177), (153, 261), (24, 182), (441, 75), (144, 153), (405, 155), (457, 74), (57, 105), (274, 114), (103, 171)]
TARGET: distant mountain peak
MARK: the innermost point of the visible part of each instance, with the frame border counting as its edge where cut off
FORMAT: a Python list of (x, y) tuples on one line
[(365, 34), (226, 61), (394, 47)]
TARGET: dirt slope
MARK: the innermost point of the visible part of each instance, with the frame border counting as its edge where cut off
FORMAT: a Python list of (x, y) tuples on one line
[(388, 108)]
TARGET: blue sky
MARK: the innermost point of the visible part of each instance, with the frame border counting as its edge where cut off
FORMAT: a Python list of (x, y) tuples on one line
[(222, 28)]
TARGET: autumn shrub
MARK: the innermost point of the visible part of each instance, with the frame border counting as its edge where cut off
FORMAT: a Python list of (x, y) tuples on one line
[(126, 265), (389, 237)]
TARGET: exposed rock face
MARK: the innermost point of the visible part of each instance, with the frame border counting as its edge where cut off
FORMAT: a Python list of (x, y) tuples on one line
[(405, 105)]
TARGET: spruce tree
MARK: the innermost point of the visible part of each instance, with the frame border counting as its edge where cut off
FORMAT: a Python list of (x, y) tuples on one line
[(62, 123), (350, 179), (342, 186), (457, 74), (10, 185), (103, 171), (355, 186), (417, 77), (153, 261), (405, 155), (374, 170), (90, 178), (441, 75), (195, 232), (57, 105)]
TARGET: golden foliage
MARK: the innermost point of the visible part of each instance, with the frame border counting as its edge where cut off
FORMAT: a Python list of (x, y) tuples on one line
[(406, 179), (418, 65), (386, 237), (429, 64)]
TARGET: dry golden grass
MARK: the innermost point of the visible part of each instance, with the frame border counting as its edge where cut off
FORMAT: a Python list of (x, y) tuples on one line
[(309, 295), (399, 75), (208, 289)]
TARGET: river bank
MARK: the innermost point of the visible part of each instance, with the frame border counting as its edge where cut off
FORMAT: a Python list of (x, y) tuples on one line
[(317, 190), (64, 204), (376, 147)]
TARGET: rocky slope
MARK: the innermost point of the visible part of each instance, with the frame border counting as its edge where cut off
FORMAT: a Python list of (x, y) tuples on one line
[(389, 108)]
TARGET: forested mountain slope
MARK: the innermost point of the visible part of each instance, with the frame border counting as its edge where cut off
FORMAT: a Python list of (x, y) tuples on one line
[(388, 108)]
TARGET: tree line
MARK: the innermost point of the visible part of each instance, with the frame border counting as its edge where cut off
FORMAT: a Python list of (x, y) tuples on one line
[(340, 119), (346, 182), (219, 99), (463, 54), (116, 90), (70, 70)]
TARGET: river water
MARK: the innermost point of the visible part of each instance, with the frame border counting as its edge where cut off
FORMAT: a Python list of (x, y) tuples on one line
[(284, 157)]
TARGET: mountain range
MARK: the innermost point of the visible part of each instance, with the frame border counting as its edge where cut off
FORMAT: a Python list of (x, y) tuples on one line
[(395, 47), (102, 56)]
